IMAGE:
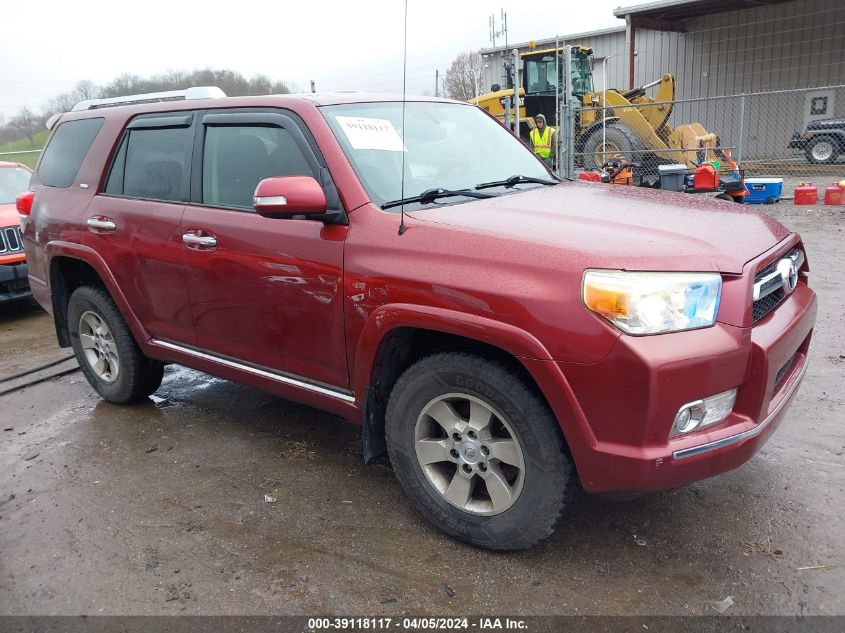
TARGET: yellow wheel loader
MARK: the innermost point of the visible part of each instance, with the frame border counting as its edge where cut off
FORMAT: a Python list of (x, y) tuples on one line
[(633, 124)]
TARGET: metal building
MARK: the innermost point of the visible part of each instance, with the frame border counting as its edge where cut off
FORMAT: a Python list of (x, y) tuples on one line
[(780, 63)]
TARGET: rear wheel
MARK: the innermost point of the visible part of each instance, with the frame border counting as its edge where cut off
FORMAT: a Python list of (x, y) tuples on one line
[(478, 452), (616, 139), (106, 350), (822, 150)]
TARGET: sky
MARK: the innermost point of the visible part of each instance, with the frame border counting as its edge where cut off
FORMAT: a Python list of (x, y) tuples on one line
[(46, 47)]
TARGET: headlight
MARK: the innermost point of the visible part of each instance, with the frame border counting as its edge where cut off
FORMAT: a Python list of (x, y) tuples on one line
[(652, 303)]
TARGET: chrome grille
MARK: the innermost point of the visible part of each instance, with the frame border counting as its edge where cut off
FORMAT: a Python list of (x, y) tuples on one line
[(768, 303), (10, 240), (769, 283)]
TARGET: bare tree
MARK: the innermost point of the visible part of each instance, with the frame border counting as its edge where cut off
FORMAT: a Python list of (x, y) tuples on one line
[(62, 103), (463, 79), (86, 89), (125, 84), (25, 122)]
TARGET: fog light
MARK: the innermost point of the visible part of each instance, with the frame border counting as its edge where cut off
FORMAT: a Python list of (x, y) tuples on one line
[(684, 422), (703, 413)]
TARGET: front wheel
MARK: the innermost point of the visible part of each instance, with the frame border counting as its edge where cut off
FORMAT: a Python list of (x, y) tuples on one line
[(602, 145), (106, 350), (478, 452)]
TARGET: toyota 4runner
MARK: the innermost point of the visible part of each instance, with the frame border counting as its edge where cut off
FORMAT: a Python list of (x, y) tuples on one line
[(413, 267)]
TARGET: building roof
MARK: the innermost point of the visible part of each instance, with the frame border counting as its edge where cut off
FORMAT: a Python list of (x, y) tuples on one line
[(681, 10), (551, 40)]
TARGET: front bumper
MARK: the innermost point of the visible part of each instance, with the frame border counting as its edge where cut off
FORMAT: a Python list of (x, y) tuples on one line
[(13, 281), (630, 398)]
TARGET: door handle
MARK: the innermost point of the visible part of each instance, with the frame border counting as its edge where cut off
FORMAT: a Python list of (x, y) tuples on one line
[(207, 241), (99, 223)]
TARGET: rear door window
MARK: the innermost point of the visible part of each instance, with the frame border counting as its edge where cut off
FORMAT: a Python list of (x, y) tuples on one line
[(237, 158), (66, 151), (152, 162)]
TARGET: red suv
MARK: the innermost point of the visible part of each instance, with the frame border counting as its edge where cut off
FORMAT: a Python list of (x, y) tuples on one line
[(414, 268)]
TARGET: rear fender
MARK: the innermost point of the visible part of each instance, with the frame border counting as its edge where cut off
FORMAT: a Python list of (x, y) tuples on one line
[(93, 259)]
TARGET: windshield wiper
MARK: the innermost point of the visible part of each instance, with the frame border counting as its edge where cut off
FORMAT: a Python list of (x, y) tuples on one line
[(430, 195), (515, 180)]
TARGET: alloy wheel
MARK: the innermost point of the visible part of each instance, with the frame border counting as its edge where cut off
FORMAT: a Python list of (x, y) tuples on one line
[(469, 454), (98, 345), (822, 151)]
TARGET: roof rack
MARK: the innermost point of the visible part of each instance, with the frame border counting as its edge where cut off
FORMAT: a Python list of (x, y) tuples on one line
[(200, 92)]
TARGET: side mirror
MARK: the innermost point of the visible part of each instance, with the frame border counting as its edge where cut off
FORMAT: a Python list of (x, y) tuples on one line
[(288, 196)]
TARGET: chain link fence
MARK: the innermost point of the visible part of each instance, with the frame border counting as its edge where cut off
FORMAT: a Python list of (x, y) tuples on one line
[(797, 135)]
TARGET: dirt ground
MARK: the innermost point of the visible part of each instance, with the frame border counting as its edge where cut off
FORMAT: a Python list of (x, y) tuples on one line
[(160, 508)]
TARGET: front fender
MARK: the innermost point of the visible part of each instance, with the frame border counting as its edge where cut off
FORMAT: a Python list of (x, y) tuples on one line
[(526, 348), (381, 321)]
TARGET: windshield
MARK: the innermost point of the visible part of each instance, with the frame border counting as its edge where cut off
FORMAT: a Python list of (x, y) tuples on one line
[(540, 75), (446, 146), (582, 75), (13, 180)]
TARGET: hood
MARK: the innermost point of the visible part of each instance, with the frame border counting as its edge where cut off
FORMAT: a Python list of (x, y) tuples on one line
[(9, 215), (613, 226)]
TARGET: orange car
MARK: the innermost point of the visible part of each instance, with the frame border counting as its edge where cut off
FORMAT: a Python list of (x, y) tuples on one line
[(14, 179)]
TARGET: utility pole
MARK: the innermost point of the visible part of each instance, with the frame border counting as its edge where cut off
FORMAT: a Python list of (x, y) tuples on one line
[(437, 82), (516, 91), (313, 88)]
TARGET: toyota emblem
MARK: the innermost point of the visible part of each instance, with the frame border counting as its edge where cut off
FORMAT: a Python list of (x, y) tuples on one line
[(788, 274)]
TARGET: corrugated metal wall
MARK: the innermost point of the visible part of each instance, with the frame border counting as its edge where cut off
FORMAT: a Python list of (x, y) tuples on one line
[(797, 44), (791, 45), (768, 48)]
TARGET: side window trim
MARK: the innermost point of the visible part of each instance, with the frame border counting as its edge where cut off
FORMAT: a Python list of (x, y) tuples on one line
[(246, 119), (266, 119), (285, 119), (150, 122)]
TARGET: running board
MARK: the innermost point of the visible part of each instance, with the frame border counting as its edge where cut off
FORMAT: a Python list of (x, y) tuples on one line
[(285, 379)]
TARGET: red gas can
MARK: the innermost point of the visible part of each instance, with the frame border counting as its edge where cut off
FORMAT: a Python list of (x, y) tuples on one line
[(706, 177), (835, 194), (590, 176), (806, 193)]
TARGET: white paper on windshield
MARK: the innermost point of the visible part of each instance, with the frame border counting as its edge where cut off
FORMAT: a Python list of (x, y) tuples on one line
[(366, 133)]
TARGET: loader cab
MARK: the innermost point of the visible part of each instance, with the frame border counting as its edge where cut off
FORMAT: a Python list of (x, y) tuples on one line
[(545, 70)]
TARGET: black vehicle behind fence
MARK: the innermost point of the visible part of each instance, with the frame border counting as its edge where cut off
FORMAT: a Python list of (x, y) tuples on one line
[(822, 142)]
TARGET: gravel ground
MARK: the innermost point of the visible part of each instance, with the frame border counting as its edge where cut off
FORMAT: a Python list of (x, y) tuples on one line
[(161, 508)]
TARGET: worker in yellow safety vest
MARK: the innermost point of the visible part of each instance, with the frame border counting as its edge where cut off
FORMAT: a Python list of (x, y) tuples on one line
[(542, 140)]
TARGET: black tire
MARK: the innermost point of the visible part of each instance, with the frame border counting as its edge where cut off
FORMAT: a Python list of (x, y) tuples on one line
[(619, 137), (724, 196), (548, 475), (137, 376), (822, 150)]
